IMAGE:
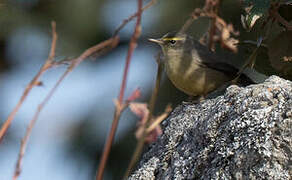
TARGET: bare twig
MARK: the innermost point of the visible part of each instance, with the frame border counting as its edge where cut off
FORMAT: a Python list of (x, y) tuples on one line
[(253, 43), (35, 81), (152, 2), (141, 141), (194, 15), (251, 60), (275, 14), (213, 8), (118, 109), (99, 48), (219, 30), (159, 119), (212, 31), (31, 125), (47, 64), (108, 44)]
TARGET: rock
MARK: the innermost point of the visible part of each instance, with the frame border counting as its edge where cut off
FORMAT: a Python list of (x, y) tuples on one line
[(244, 134)]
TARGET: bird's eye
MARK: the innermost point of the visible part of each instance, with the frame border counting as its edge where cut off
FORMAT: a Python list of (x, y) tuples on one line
[(172, 42)]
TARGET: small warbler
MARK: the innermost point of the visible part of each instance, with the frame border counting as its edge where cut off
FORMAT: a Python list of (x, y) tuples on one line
[(192, 67)]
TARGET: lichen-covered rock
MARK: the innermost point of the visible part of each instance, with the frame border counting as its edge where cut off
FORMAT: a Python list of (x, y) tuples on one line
[(244, 134)]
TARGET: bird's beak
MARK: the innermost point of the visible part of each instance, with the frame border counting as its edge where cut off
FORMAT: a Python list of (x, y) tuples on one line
[(158, 41)]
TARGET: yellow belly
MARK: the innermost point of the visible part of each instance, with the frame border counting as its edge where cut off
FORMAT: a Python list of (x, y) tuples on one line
[(195, 80)]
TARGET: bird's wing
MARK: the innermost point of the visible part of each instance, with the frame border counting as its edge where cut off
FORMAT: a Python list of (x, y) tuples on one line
[(214, 61)]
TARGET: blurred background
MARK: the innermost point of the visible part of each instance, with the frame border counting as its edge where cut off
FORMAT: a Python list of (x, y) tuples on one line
[(68, 138)]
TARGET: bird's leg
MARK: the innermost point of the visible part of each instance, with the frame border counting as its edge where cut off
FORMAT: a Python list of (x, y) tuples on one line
[(194, 100)]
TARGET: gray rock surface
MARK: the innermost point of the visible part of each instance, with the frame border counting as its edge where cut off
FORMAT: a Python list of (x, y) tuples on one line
[(244, 134)]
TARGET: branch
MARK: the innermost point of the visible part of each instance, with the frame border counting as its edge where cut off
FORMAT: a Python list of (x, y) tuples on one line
[(34, 82), (152, 2), (141, 141), (159, 119), (108, 44), (275, 14), (99, 48), (212, 30), (118, 109), (46, 66)]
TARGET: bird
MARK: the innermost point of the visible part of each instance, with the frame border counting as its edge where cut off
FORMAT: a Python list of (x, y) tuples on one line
[(192, 67)]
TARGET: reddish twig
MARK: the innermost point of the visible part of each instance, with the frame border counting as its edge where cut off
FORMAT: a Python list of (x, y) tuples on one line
[(159, 119), (118, 108), (140, 145), (274, 13), (35, 81), (49, 62), (101, 47), (108, 44), (152, 2), (219, 30), (31, 125), (212, 6)]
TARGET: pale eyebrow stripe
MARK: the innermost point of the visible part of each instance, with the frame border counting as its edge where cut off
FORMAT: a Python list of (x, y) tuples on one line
[(174, 38)]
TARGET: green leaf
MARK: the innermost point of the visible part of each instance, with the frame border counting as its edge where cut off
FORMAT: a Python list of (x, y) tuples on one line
[(254, 10)]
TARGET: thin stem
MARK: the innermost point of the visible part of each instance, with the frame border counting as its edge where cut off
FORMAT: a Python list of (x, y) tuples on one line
[(119, 105), (212, 29), (275, 14), (152, 2), (251, 59), (31, 124), (33, 82), (140, 144), (110, 43)]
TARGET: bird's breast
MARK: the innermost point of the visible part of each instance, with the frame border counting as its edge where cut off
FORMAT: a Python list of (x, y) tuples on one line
[(188, 76)]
